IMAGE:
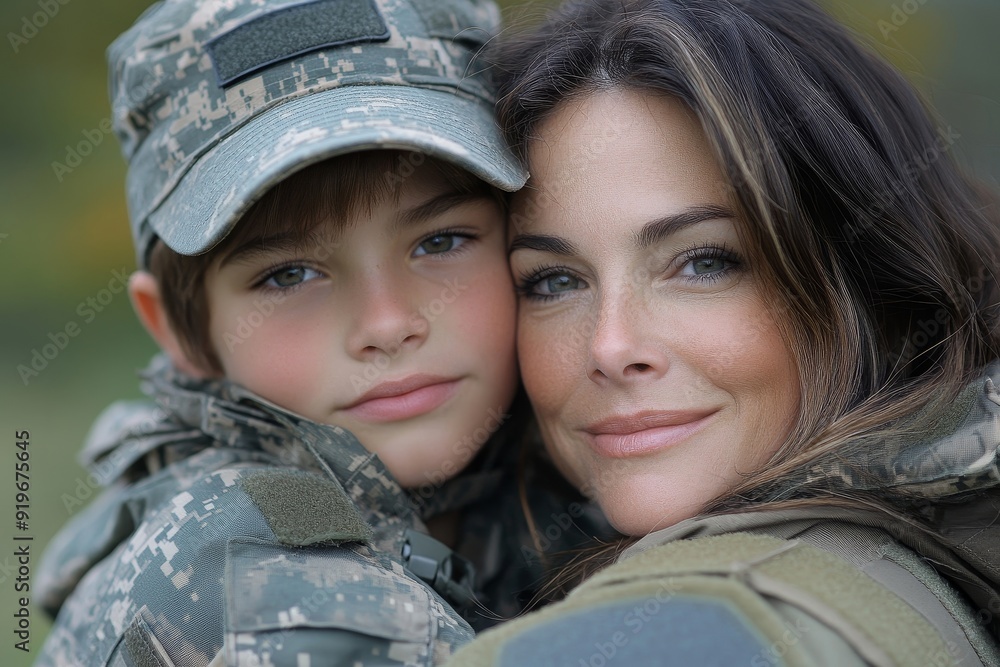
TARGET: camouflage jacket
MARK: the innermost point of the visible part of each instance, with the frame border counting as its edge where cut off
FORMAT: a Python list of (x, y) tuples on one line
[(233, 532), (812, 585)]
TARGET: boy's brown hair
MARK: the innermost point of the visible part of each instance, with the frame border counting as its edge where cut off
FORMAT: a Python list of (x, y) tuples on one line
[(335, 190)]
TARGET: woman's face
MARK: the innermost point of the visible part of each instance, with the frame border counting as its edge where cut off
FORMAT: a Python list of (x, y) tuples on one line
[(653, 362)]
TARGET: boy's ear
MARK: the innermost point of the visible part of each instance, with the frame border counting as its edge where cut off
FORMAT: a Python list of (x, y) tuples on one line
[(148, 303)]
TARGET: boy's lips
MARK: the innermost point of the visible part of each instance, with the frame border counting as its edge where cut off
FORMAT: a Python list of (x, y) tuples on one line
[(396, 400)]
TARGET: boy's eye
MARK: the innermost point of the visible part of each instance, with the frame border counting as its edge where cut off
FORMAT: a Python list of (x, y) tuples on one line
[(290, 276), (439, 243)]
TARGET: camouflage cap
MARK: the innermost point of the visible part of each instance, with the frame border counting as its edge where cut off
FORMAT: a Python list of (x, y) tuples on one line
[(215, 101)]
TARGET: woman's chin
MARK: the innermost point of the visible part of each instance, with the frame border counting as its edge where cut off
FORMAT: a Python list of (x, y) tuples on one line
[(635, 513)]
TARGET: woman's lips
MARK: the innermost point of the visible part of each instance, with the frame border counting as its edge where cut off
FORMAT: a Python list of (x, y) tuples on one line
[(624, 436)]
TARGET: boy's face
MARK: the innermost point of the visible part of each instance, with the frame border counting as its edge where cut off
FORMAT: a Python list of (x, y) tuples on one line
[(398, 326)]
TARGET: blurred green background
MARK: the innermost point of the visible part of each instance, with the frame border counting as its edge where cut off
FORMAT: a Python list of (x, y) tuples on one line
[(61, 240)]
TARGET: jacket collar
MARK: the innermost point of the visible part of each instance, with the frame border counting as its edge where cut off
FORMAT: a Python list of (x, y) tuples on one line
[(189, 415)]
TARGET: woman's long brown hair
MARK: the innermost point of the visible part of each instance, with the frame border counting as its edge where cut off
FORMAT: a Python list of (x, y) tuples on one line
[(880, 257)]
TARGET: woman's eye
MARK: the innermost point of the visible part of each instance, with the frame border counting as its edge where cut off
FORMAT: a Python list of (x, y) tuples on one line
[(707, 265), (290, 277), (554, 284), (440, 243)]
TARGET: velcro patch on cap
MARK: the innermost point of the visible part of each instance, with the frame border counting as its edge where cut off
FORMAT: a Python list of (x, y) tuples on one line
[(303, 509), (293, 31)]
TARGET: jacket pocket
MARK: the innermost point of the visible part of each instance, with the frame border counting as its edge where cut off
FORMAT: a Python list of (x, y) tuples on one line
[(328, 603)]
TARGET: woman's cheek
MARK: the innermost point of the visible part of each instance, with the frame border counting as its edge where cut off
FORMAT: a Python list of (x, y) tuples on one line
[(568, 457), (541, 366), (552, 361)]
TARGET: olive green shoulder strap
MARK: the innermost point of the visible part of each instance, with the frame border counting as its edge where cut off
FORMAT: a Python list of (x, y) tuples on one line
[(884, 558)]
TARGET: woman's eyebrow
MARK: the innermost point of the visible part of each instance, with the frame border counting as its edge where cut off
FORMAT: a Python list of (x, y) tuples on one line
[(650, 234), (657, 230), (551, 244)]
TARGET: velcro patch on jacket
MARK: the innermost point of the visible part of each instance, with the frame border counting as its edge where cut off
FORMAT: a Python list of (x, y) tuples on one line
[(303, 508), (293, 31), (142, 646)]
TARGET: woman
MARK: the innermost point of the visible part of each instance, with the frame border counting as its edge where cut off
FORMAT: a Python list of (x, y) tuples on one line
[(757, 302)]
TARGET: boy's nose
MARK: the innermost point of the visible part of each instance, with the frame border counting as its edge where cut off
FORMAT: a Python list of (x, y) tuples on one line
[(386, 322)]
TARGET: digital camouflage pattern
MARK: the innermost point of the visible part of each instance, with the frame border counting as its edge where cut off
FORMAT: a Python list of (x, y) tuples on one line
[(178, 563), (950, 453), (215, 101), (790, 608)]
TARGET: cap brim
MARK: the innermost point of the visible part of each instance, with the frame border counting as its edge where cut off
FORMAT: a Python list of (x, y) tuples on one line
[(224, 182)]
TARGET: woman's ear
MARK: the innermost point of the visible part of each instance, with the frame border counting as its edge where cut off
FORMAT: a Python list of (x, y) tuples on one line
[(144, 292)]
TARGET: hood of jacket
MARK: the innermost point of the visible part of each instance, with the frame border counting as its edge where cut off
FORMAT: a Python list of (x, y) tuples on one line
[(952, 455)]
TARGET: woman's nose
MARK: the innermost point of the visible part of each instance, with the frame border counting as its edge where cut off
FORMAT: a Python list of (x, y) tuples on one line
[(623, 346)]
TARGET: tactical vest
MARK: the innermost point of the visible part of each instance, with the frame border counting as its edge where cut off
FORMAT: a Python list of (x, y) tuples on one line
[(832, 594)]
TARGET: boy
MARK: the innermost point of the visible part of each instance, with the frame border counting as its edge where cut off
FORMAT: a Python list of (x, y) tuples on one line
[(313, 196)]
